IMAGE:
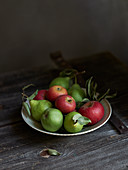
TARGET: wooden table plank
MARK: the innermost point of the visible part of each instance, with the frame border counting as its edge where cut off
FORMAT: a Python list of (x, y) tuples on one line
[(95, 150), (12, 83), (10, 97), (102, 149)]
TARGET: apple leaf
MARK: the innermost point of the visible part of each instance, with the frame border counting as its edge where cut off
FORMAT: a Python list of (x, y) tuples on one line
[(46, 153), (111, 96), (89, 87), (83, 120), (76, 117), (79, 104), (85, 91), (25, 87), (106, 95), (103, 96), (53, 152), (92, 94), (24, 96), (26, 106), (85, 100), (33, 95)]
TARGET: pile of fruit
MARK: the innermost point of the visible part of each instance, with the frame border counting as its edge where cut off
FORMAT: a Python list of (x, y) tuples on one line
[(65, 104)]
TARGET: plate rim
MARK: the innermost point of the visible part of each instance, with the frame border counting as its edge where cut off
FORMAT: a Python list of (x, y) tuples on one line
[(71, 134)]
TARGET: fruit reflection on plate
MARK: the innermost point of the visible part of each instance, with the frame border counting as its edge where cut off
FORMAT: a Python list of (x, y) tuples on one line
[(37, 125)]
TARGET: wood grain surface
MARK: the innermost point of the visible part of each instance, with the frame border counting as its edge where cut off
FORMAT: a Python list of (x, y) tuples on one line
[(104, 148)]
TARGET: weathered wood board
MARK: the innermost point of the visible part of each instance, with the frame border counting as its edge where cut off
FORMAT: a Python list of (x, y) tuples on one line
[(104, 148)]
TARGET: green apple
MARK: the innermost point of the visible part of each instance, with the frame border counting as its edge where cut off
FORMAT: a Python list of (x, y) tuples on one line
[(61, 81), (70, 125), (38, 107), (52, 119)]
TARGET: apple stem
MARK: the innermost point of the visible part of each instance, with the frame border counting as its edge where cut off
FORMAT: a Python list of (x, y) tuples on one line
[(69, 100), (90, 104), (82, 72), (58, 89)]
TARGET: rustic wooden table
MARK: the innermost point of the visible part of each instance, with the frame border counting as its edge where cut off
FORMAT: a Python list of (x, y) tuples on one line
[(104, 148)]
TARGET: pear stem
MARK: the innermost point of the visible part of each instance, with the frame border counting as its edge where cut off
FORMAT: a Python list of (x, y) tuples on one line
[(82, 72), (75, 79)]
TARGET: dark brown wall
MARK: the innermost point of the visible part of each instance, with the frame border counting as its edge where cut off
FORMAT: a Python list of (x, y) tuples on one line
[(31, 29)]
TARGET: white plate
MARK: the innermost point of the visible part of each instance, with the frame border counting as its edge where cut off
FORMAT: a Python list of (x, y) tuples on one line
[(37, 125)]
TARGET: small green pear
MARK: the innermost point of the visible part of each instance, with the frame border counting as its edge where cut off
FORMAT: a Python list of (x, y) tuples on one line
[(61, 81), (76, 92), (75, 86), (70, 125), (38, 107)]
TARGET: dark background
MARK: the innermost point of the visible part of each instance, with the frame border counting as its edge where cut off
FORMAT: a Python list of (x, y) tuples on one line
[(31, 29)]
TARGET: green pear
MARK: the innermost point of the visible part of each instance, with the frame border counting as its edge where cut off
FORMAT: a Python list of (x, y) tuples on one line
[(61, 81), (38, 107), (76, 92), (70, 125), (75, 86), (52, 119)]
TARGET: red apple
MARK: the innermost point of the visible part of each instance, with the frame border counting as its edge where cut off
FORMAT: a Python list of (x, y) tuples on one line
[(40, 95), (55, 91), (92, 110), (65, 103)]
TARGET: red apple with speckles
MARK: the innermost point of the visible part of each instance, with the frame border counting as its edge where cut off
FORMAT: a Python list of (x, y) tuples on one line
[(65, 103), (93, 110), (55, 91), (41, 95)]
